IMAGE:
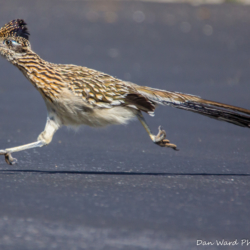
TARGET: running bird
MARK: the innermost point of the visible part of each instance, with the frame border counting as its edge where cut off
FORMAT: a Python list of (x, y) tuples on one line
[(76, 95)]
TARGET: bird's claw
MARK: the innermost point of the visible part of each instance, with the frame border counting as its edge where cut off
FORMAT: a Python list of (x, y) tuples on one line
[(162, 142), (161, 135), (8, 157)]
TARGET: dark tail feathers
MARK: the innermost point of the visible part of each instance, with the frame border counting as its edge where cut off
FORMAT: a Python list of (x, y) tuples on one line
[(219, 111), (216, 110)]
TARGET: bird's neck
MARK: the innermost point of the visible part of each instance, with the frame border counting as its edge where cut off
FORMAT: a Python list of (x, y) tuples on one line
[(28, 62), (42, 74)]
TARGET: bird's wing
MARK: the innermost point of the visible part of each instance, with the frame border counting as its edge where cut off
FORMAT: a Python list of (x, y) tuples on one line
[(102, 90)]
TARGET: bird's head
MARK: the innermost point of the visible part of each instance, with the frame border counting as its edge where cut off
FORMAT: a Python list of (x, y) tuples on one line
[(14, 40)]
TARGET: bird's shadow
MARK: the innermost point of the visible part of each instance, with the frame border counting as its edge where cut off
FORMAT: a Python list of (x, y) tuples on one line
[(16, 171)]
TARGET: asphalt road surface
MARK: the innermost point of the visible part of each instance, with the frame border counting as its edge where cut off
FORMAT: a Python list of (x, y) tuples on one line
[(113, 188)]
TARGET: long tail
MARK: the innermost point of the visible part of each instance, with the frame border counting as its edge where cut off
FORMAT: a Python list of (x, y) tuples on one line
[(216, 110)]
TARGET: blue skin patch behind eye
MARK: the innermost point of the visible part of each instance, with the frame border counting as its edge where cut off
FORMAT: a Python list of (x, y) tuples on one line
[(15, 43)]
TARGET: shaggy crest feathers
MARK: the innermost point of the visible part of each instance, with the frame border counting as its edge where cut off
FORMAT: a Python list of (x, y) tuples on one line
[(15, 28)]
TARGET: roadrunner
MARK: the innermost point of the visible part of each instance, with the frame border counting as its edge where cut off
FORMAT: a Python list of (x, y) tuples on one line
[(76, 95)]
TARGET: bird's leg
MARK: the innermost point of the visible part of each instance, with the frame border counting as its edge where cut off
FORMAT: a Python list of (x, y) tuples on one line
[(158, 139), (43, 139)]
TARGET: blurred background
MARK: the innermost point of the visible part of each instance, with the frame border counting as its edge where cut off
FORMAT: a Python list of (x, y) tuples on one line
[(113, 188)]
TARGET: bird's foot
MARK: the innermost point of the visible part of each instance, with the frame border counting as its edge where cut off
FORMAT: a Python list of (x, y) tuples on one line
[(8, 157), (160, 139)]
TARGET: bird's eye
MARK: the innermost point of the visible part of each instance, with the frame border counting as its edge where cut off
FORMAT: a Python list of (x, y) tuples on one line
[(11, 43), (8, 42)]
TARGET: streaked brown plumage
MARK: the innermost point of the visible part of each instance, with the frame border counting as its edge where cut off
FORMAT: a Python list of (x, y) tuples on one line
[(76, 95)]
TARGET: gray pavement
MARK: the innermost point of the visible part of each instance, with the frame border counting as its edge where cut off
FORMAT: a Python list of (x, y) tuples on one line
[(113, 188)]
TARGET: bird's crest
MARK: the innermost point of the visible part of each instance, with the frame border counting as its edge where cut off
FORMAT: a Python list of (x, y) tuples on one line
[(15, 28)]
